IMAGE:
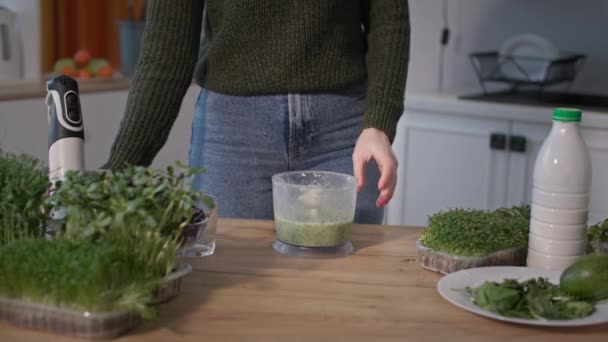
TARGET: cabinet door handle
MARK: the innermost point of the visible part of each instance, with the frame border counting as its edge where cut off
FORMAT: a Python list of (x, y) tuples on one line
[(498, 141), (517, 143)]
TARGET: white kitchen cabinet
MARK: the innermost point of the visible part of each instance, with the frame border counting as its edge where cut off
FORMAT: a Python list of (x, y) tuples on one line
[(446, 159), (597, 143), (449, 163), (521, 164)]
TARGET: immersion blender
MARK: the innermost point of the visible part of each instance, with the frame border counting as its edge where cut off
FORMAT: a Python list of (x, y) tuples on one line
[(66, 130)]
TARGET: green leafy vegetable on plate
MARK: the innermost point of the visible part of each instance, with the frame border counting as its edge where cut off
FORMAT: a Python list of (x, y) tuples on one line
[(597, 235), (535, 298)]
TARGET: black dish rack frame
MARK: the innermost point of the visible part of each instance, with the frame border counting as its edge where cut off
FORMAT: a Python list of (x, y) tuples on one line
[(488, 67)]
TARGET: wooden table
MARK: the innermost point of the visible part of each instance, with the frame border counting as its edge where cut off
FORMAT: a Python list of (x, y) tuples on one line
[(246, 292)]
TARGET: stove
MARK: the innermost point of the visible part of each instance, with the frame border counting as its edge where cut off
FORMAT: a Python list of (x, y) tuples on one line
[(544, 99)]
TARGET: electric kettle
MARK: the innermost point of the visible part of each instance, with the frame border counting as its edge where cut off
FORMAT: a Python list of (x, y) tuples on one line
[(10, 48)]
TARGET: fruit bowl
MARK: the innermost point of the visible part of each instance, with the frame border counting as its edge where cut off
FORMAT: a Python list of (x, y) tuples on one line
[(82, 66)]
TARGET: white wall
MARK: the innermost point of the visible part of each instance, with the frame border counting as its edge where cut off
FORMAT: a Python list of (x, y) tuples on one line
[(578, 26), (24, 127), (28, 12)]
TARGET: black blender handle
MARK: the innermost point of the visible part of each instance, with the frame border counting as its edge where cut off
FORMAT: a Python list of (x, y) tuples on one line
[(65, 112)]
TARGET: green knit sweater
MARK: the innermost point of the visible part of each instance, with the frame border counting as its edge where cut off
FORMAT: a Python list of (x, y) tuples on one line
[(260, 47)]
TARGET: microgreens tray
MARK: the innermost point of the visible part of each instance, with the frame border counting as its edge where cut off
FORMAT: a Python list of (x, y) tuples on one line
[(447, 263), (171, 285), (105, 325)]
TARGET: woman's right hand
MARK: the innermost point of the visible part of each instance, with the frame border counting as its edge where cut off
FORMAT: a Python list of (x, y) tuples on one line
[(374, 144)]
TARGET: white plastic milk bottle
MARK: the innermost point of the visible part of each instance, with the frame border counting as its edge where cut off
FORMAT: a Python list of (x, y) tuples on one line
[(560, 195)]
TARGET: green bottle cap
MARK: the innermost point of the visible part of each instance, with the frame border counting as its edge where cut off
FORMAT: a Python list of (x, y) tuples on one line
[(567, 115)]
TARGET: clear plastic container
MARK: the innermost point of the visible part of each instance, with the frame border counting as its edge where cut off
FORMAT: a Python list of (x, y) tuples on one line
[(445, 263), (191, 233), (106, 325), (171, 285), (314, 208), (204, 244)]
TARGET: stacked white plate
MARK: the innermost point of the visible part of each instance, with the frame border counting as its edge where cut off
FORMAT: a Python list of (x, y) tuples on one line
[(527, 57)]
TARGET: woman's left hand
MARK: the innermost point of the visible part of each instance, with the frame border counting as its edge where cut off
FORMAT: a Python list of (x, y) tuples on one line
[(374, 144)]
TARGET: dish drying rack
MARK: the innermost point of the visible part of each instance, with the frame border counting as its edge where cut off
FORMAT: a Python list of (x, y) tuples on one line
[(490, 66)]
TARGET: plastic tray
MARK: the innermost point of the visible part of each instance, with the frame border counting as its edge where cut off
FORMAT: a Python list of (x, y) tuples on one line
[(600, 247), (67, 322), (447, 263), (171, 285), (342, 250)]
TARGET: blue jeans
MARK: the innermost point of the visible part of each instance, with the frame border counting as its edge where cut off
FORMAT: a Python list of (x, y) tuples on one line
[(243, 140)]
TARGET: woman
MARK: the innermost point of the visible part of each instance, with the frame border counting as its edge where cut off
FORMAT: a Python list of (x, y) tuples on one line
[(286, 85)]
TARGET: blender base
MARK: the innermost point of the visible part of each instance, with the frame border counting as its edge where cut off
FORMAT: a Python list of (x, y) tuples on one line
[(342, 250)]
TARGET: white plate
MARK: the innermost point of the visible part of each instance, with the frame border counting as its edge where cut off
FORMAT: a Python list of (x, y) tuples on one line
[(475, 277), (527, 45)]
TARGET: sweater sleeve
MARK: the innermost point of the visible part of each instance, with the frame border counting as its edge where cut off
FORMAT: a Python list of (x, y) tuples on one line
[(387, 28), (162, 76)]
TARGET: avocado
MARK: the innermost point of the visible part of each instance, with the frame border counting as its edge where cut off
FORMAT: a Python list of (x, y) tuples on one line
[(587, 278)]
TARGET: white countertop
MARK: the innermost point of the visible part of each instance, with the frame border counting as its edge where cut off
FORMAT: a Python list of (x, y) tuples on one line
[(20, 90), (449, 102)]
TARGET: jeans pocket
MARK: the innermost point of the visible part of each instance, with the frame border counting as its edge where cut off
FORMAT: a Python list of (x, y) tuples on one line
[(197, 133)]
